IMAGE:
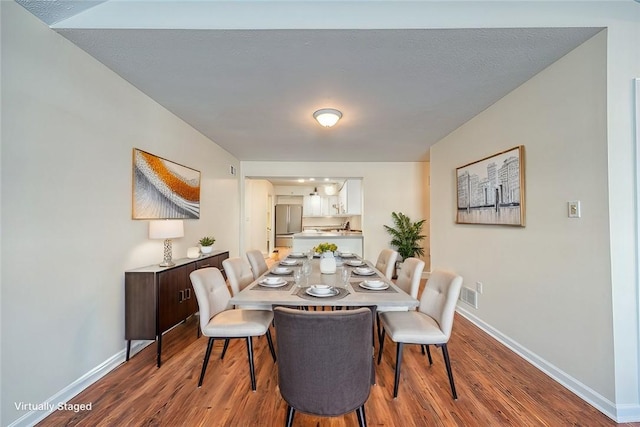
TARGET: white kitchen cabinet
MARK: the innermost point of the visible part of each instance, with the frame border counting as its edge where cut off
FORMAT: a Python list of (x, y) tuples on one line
[(329, 205), (342, 199), (320, 206), (351, 196), (312, 206)]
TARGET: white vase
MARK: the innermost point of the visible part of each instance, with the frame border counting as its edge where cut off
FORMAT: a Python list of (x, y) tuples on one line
[(206, 249), (327, 263)]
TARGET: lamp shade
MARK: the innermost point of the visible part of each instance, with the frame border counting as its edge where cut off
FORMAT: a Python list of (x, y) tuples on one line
[(327, 117), (166, 229)]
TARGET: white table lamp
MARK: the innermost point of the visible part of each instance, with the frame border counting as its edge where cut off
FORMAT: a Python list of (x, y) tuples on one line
[(166, 229)]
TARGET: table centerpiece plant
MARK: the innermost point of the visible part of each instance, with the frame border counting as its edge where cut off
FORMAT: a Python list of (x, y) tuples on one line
[(327, 260), (325, 247)]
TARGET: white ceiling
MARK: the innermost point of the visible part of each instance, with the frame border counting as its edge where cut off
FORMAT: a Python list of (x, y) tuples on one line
[(253, 91)]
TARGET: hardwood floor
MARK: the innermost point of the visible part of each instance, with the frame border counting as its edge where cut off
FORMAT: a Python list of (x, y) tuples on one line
[(495, 388)]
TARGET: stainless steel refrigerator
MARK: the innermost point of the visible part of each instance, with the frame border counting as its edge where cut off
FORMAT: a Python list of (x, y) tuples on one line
[(288, 221)]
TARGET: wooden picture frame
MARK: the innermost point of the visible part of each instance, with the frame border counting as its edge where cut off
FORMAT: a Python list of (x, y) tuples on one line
[(163, 189), (491, 190)]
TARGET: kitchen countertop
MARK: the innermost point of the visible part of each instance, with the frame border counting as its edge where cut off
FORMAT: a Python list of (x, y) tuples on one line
[(322, 234)]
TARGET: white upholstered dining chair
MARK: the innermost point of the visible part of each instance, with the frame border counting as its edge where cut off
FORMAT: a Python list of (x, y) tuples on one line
[(258, 264), (219, 321), (386, 262), (409, 276), (408, 280), (430, 324), (240, 275), (238, 272)]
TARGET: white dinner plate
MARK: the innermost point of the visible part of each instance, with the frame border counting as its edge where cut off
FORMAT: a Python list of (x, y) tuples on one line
[(374, 285), (321, 289), (297, 255), (355, 263), (347, 255), (363, 271), (332, 293), (288, 262), (282, 271), (272, 282)]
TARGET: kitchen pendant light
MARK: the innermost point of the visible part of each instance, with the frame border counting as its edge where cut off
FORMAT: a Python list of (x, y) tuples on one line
[(327, 117), (315, 192)]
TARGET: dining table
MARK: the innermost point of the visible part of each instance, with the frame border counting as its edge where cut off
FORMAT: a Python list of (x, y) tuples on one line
[(364, 286)]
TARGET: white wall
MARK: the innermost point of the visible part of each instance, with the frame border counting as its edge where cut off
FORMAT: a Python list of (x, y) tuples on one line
[(69, 127), (257, 192), (546, 286), (386, 187)]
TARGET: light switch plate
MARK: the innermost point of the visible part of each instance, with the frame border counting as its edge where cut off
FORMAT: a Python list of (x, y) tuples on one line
[(574, 209)]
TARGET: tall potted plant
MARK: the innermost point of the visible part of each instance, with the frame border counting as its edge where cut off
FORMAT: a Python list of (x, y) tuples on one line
[(405, 236)]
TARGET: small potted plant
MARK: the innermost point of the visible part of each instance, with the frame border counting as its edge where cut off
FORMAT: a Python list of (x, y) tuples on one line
[(406, 236), (206, 244)]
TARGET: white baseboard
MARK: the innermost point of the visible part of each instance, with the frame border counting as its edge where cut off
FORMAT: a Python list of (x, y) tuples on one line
[(31, 418), (618, 413)]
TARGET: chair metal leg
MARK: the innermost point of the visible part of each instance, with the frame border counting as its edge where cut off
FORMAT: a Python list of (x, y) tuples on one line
[(381, 346), (426, 347), (362, 419), (290, 414), (398, 362), (270, 341), (373, 372), (224, 349), (447, 362), (206, 361), (378, 326), (252, 371)]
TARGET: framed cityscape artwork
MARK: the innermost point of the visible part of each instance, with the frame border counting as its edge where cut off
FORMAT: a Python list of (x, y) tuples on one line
[(163, 189), (491, 190)]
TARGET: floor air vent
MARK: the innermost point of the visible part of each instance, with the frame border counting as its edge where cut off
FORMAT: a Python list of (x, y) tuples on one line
[(469, 296)]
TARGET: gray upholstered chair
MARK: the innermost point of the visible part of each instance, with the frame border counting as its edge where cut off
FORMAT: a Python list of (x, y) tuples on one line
[(219, 321), (258, 264), (386, 262), (430, 324), (408, 280), (324, 361)]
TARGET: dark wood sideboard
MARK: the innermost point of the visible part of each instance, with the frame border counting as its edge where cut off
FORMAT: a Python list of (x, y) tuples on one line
[(158, 298)]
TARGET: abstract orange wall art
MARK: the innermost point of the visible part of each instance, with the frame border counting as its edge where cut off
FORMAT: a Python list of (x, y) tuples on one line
[(163, 189)]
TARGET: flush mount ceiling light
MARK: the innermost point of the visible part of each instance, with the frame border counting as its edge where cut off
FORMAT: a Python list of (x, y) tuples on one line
[(327, 117)]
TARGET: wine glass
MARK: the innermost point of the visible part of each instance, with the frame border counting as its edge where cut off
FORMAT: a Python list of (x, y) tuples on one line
[(297, 277), (344, 276), (306, 270)]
